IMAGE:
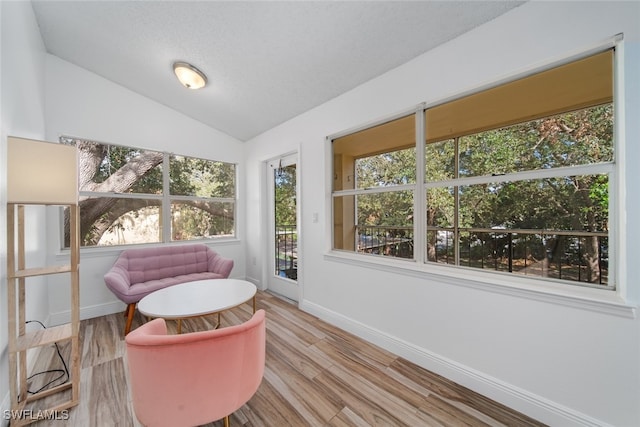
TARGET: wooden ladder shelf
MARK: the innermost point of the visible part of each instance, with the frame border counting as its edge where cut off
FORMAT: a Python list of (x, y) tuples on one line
[(21, 341)]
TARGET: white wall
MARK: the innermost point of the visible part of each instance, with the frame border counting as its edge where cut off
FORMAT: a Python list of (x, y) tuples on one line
[(560, 362), (21, 114), (82, 104)]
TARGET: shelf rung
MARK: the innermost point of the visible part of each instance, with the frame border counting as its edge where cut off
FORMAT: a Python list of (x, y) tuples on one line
[(49, 392), (39, 271), (44, 336)]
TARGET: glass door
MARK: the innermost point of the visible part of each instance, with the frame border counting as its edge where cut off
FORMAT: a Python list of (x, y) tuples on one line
[(282, 179)]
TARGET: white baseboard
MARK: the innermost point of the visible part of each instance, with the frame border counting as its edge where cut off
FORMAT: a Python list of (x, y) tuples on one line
[(528, 403), (89, 312)]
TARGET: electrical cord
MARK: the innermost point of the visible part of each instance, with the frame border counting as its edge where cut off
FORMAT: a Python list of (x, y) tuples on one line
[(63, 372)]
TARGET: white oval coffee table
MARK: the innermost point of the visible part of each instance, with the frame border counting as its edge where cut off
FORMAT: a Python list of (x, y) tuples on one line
[(198, 298)]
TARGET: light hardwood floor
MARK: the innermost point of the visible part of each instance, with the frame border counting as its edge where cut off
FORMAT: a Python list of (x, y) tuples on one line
[(315, 375)]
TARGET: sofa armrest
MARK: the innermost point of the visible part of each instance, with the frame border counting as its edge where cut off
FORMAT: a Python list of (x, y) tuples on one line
[(117, 279), (219, 264)]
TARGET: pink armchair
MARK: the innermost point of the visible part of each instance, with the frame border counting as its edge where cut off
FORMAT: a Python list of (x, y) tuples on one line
[(194, 378)]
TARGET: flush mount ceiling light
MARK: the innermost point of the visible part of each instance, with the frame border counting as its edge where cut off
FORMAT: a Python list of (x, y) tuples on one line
[(189, 76)]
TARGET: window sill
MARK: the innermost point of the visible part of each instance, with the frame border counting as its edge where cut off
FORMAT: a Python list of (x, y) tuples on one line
[(103, 251), (591, 299)]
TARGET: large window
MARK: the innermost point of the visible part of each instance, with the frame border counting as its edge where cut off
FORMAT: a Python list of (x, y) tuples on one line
[(132, 196), (516, 179), (374, 180), (530, 199)]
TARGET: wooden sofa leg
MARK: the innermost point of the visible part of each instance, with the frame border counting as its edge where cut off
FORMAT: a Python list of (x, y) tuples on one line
[(131, 309)]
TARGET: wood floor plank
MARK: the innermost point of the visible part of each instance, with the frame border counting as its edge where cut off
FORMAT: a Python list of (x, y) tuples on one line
[(305, 360), (97, 340), (447, 414), (449, 390), (361, 364), (367, 351), (269, 408), (109, 385), (347, 418), (305, 325), (315, 375), (372, 407), (423, 391), (303, 332), (310, 402)]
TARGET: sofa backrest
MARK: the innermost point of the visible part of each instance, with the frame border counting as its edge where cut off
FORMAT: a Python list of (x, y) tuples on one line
[(164, 261)]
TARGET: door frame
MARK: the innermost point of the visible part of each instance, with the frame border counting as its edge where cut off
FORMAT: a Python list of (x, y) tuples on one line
[(268, 276)]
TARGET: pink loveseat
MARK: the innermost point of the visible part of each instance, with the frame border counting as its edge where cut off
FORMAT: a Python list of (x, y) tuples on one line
[(138, 272)]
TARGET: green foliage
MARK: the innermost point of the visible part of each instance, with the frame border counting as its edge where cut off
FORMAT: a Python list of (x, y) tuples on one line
[(548, 209), (285, 195), (386, 170), (203, 178), (569, 203), (190, 222), (393, 168)]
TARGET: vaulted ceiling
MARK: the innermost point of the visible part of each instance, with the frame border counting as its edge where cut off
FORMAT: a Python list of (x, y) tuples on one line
[(266, 61)]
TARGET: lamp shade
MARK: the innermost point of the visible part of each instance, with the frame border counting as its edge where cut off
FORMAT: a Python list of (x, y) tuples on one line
[(189, 76), (41, 172)]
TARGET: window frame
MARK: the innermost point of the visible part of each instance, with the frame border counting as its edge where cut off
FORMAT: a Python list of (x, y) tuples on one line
[(416, 112), (607, 168), (167, 231), (166, 199), (609, 299)]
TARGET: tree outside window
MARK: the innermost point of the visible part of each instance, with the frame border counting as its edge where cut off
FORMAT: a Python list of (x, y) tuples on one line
[(123, 199), (514, 178), (532, 213)]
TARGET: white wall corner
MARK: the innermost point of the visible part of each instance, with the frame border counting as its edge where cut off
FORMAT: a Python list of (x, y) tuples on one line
[(256, 282)]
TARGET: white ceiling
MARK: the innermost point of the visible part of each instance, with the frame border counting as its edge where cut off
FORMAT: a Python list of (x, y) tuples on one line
[(266, 61)]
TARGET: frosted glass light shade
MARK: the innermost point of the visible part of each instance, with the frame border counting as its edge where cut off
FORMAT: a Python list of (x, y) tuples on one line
[(189, 76), (41, 172)]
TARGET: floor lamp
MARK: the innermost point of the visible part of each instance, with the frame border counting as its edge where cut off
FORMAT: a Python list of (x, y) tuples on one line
[(39, 173)]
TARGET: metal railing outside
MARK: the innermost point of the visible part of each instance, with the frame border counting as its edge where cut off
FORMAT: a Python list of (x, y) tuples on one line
[(384, 240), (286, 250), (578, 256)]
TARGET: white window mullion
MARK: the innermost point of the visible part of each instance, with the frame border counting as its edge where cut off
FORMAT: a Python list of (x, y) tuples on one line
[(590, 169), (420, 197), (456, 204), (374, 190), (617, 188), (204, 199), (120, 195), (166, 200)]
